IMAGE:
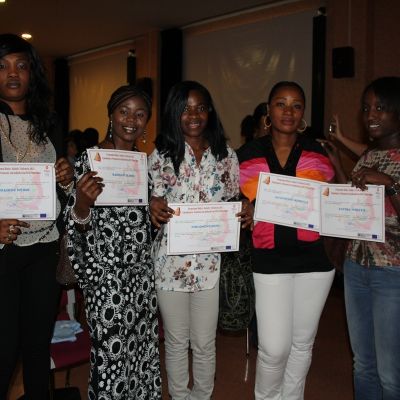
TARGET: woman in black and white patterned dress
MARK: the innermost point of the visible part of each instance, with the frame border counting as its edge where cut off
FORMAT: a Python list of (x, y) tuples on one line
[(109, 250)]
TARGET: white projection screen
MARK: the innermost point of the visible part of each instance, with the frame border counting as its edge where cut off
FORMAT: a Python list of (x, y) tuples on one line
[(240, 65)]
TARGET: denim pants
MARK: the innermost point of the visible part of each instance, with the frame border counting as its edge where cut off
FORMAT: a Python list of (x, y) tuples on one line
[(373, 316)]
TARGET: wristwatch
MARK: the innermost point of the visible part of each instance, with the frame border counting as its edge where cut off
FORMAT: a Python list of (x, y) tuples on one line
[(393, 190)]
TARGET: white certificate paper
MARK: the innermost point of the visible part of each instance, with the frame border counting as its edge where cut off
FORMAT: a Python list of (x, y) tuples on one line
[(203, 228), (289, 201), (27, 191), (349, 212), (124, 176)]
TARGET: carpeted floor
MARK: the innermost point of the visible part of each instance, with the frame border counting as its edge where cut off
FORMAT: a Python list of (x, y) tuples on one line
[(329, 377)]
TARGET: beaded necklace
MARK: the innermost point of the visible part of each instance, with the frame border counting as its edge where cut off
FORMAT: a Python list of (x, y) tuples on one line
[(19, 154)]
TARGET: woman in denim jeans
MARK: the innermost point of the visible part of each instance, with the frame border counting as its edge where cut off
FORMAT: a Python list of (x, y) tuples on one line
[(372, 269)]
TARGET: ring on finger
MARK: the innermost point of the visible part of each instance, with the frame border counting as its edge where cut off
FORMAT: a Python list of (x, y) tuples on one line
[(11, 229)]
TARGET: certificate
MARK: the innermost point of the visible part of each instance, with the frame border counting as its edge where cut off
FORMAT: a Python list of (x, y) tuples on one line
[(289, 201), (349, 212), (124, 176), (27, 191), (203, 228)]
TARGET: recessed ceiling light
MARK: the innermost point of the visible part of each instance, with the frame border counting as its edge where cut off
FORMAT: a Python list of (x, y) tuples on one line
[(26, 36)]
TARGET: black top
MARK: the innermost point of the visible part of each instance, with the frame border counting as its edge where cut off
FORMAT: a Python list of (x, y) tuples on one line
[(289, 254)]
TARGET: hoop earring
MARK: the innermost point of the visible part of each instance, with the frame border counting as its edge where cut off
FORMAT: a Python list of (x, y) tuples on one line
[(301, 130), (266, 125), (110, 130), (144, 139)]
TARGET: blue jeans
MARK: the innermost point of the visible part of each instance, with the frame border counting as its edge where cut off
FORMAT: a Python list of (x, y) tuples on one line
[(372, 298)]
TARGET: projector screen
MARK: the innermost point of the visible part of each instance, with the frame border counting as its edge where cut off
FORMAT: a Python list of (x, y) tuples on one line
[(240, 65)]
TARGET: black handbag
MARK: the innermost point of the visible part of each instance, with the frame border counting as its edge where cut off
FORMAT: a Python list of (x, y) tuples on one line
[(236, 289)]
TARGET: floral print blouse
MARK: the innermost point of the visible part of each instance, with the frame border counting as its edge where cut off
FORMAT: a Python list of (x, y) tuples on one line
[(209, 181)]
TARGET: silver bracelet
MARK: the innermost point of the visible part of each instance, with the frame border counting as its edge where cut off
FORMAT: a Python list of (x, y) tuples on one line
[(66, 187), (81, 221)]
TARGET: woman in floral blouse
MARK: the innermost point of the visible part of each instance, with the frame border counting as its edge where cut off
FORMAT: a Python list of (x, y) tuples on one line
[(191, 163)]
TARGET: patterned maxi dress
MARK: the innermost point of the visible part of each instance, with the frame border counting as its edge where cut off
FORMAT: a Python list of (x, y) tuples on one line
[(113, 267)]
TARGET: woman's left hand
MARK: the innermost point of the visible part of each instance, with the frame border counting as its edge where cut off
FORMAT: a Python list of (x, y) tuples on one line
[(371, 176), (64, 171), (246, 215)]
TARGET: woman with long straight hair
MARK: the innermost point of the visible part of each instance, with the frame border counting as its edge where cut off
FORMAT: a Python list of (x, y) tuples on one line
[(191, 163)]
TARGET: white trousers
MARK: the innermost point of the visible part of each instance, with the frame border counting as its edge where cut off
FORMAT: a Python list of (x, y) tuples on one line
[(190, 318), (288, 308)]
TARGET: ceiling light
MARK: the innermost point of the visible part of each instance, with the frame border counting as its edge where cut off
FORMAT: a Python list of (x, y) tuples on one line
[(26, 36), (2, 1)]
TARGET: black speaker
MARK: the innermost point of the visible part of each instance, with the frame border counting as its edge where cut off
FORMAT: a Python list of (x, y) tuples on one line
[(343, 62)]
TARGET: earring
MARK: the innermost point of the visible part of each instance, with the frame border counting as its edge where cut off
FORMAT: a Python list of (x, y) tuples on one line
[(267, 125), (110, 130), (144, 137), (304, 127)]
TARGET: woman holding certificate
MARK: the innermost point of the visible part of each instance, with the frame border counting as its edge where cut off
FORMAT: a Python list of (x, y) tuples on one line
[(292, 274), (109, 248), (191, 164), (372, 269), (29, 292)]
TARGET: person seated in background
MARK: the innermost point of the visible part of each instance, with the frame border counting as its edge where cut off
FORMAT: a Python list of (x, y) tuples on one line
[(90, 138), (72, 145), (254, 126)]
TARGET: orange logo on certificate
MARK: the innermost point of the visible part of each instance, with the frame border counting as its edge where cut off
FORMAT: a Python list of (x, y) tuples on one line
[(267, 180), (325, 192), (97, 157)]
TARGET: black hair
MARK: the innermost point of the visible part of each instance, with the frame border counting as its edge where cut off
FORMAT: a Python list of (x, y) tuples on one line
[(387, 90), (125, 92), (250, 123), (248, 128), (39, 93), (171, 141), (90, 137), (289, 84), (260, 111)]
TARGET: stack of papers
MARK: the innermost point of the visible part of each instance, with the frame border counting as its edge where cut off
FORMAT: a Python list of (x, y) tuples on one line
[(66, 331)]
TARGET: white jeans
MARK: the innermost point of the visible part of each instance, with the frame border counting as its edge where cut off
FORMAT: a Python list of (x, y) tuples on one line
[(288, 308), (190, 317)]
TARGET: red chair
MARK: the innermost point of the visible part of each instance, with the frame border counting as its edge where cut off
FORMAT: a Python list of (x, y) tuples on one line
[(66, 355)]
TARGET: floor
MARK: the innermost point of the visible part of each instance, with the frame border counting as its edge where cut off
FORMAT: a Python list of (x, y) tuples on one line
[(329, 377)]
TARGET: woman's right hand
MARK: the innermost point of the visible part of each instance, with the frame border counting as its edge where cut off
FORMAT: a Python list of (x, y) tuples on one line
[(9, 230), (160, 213), (247, 214), (88, 189)]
